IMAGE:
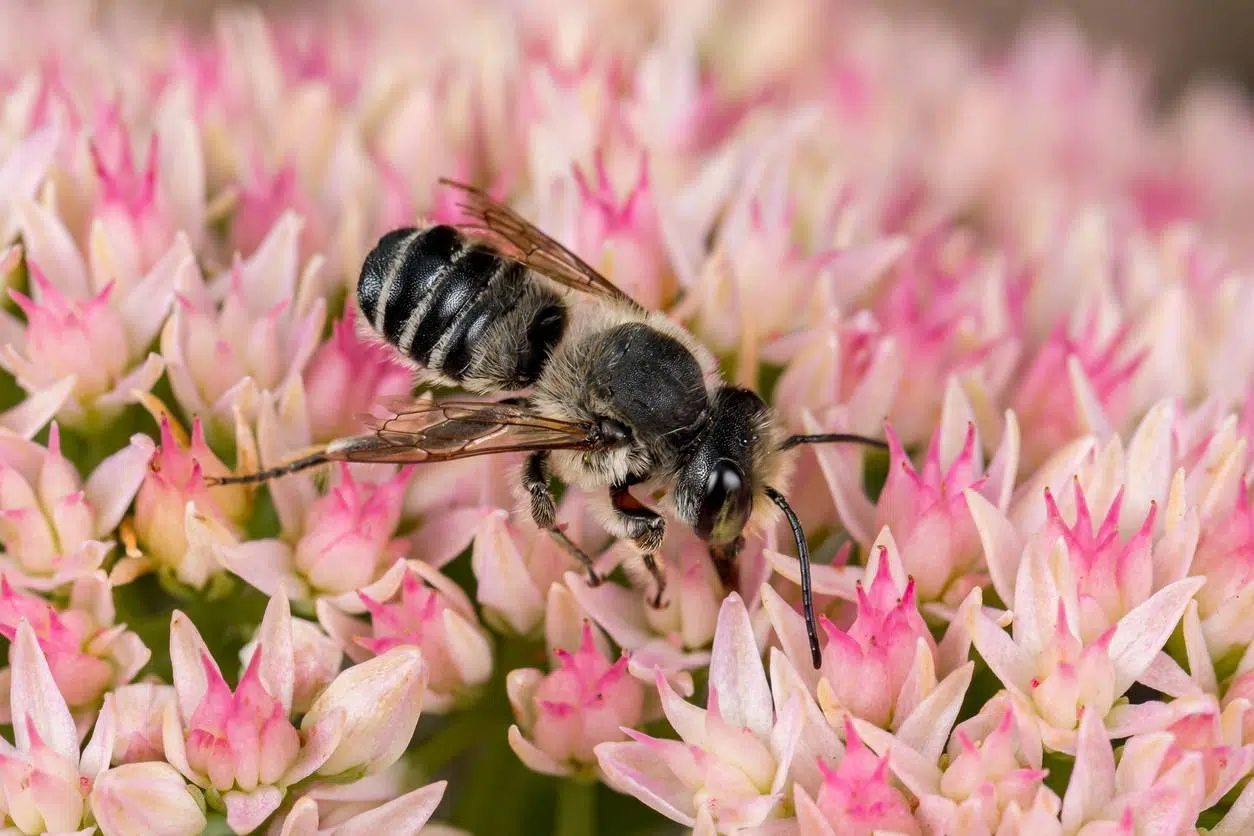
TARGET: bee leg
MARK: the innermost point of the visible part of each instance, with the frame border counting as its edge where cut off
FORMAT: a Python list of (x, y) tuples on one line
[(535, 479), (645, 527), (724, 557)]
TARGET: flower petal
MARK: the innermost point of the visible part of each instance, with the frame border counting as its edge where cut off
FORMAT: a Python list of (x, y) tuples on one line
[(36, 703), (406, 814), (115, 481), (245, 811), (277, 668), (1092, 783), (736, 673), (534, 758), (1141, 633), (635, 769)]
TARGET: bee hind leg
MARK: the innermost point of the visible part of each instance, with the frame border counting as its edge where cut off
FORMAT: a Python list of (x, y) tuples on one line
[(646, 528), (535, 480)]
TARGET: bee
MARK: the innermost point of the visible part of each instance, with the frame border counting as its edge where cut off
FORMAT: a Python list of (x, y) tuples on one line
[(617, 396)]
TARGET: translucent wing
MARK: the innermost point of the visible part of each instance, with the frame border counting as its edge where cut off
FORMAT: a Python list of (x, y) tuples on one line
[(520, 239), (446, 430)]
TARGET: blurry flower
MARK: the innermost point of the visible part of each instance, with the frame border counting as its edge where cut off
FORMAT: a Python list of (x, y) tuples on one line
[(139, 209), (54, 526), (347, 376), (1098, 376), (44, 782), (139, 711), (346, 541), (564, 715), (427, 611), (734, 757), (265, 329), (173, 498), (1223, 558), (21, 172), (403, 814), (240, 746), (317, 659), (87, 653), (146, 798), (380, 700)]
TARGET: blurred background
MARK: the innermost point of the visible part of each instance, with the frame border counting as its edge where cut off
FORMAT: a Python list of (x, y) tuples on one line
[(1179, 40)]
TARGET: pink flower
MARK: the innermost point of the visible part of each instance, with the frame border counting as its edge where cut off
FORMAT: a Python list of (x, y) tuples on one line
[(565, 715), (869, 664), (87, 653), (87, 339), (1143, 791), (1098, 374), (672, 638), (345, 543), (1051, 674), (346, 377), (514, 565), (146, 798), (131, 209), (265, 330), (54, 526), (174, 497), (1111, 577), (734, 758), (241, 746), (857, 797), (44, 781), (139, 711), (430, 612), (994, 768), (926, 509)]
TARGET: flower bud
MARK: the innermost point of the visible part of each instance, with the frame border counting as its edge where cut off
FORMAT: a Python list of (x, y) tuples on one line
[(381, 699), (146, 798)]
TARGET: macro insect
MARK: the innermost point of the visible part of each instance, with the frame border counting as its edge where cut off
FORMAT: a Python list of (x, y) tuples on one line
[(620, 397)]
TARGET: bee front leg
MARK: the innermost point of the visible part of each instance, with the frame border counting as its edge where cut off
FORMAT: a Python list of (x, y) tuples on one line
[(535, 479), (644, 527)]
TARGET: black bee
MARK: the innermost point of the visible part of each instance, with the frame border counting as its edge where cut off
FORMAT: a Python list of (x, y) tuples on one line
[(620, 396)]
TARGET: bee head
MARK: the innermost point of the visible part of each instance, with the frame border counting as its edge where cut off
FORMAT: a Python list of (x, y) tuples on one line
[(721, 478)]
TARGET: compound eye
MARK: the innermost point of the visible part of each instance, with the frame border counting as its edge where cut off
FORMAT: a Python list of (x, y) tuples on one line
[(726, 504)]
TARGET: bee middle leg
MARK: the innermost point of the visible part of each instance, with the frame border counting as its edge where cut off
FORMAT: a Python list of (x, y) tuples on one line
[(535, 479), (644, 527)]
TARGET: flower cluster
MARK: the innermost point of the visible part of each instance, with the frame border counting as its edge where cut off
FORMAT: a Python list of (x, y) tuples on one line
[(1036, 605)]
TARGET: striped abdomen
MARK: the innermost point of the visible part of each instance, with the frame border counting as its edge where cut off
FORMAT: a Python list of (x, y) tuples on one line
[(459, 309)]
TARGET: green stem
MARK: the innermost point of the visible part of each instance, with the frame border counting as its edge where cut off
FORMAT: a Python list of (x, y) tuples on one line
[(576, 808)]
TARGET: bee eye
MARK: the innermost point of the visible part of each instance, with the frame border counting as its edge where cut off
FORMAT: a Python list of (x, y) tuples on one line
[(726, 504)]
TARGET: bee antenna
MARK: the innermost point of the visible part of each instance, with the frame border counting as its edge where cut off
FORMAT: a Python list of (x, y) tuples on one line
[(829, 438), (270, 473), (803, 555)]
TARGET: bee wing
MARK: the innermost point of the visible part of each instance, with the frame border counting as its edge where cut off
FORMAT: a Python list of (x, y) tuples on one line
[(438, 431), (526, 243)]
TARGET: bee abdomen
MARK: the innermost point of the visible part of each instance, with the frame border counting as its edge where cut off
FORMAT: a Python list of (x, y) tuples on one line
[(451, 305)]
